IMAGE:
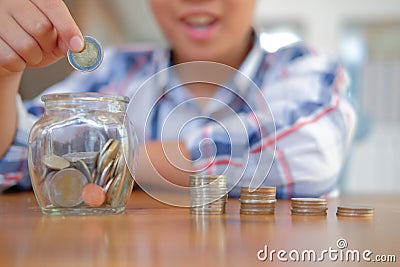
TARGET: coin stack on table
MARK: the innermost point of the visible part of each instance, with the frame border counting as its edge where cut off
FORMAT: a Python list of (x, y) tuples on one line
[(92, 178), (255, 201), (309, 206), (355, 211), (208, 194)]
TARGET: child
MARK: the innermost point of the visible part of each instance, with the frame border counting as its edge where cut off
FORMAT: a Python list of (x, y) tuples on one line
[(305, 91)]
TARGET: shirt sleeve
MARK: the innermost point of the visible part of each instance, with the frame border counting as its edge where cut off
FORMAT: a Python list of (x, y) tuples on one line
[(13, 166), (313, 125)]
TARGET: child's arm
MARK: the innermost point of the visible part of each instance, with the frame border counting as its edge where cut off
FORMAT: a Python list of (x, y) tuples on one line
[(33, 34)]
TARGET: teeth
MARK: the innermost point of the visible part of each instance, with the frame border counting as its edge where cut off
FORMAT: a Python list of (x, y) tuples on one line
[(199, 20)]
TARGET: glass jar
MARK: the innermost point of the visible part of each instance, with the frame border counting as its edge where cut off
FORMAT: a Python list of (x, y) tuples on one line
[(78, 154)]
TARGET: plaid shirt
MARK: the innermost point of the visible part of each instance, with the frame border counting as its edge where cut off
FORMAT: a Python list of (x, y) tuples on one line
[(300, 149)]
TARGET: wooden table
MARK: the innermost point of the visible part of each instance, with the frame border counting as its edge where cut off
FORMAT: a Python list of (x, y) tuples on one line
[(153, 234)]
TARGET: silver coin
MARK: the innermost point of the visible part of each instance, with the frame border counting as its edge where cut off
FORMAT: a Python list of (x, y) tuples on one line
[(309, 213), (270, 197), (82, 167), (215, 191), (205, 204), (309, 200), (55, 162), (105, 175), (209, 207), (108, 154), (218, 212), (110, 145), (120, 165), (350, 214), (45, 185), (257, 201), (356, 208), (85, 156), (257, 212), (355, 211), (106, 145), (115, 166), (260, 190), (115, 190), (305, 210), (89, 58), (106, 157), (65, 188), (108, 185), (212, 184), (257, 209), (257, 195)]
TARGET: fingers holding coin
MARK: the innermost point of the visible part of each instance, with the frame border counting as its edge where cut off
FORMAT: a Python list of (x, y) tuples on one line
[(21, 46), (61, 19), (31, 35), (36, 24)]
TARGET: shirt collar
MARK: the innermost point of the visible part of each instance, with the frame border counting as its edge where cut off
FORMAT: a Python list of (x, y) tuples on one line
[(240, 84)]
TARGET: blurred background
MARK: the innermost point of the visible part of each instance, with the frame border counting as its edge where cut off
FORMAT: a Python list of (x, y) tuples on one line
[(364, 34)]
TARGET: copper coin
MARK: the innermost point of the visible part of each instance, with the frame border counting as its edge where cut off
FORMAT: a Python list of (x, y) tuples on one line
[(93, 195)]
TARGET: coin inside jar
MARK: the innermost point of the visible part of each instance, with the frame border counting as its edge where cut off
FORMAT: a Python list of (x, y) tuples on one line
[(55, 162), (93, 195), (65, 188), (89, 58)]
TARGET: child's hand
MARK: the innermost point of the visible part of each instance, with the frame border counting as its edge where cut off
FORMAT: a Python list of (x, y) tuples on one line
[(35, 33)]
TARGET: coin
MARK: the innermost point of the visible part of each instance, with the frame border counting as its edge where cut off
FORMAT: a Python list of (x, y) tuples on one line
[(308, 200), (257, 201), (88, 157), (93, 195), (355, 211), (55, 162), (309, 206), (108, 153), (308, 213), (89, 58), (105, 175), (119, 165), (65, 188), (114, 190), (65, 178), (82, 167), (45, 185), (208, 194)]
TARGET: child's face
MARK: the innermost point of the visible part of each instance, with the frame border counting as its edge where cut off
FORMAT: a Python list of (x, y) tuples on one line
[(213, 30)]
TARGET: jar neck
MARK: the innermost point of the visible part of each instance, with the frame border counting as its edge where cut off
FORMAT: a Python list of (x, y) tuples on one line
[(84, 102)]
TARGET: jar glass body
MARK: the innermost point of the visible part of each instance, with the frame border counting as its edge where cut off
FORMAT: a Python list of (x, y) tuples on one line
[(78, 154)]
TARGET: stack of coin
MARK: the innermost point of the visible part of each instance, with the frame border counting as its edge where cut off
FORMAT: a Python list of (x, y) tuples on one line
[(93, 178), (309, 206), (355, 211), (257, 200), (208, 194)]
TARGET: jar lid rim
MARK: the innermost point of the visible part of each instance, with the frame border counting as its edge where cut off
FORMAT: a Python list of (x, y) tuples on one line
[(84, 96)]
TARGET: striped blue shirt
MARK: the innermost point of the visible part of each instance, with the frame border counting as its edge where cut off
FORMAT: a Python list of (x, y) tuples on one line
[(283, 120)]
